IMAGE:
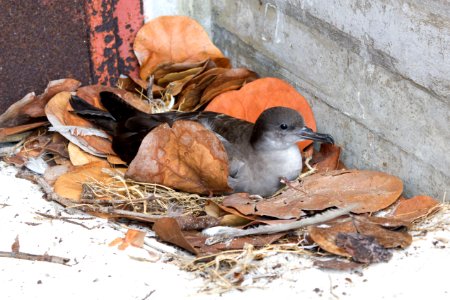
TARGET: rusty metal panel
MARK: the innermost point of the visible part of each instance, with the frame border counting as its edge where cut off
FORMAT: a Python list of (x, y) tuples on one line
[(41, 41)]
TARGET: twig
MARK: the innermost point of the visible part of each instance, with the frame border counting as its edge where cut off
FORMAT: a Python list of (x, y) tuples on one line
[(52, 196), (148, 295), (34, 257), (67, 219), (150, 88), (119, 213), (219, 234), (117, 201)]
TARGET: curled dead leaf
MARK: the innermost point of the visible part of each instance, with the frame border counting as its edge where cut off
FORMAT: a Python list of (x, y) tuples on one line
[(173, 39), (32, 106), (415, 208), (187, 157), (57, 111), (70, 185), (370, 190), (169, 230)]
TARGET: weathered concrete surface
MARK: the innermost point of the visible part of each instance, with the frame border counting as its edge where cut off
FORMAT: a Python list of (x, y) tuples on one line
[(200, 10), (377, 76)]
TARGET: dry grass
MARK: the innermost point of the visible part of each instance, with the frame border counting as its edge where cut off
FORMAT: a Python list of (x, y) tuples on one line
[(149, 198)]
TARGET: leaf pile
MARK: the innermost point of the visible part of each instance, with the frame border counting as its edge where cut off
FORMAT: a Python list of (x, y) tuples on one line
[(178, 168)]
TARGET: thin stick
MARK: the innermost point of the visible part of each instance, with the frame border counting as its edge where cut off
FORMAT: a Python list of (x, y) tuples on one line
[(220, 234), (34, 257)]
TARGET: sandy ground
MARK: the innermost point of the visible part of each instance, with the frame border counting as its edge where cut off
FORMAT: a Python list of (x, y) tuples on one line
[(98, 271)]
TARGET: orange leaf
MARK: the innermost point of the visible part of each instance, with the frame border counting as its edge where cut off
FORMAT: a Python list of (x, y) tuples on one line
[(57, 111), (69, 185), (255, 97), (78, 157), (415, 208), (187, 156), (8, 131), (371, 190), (173, 39)]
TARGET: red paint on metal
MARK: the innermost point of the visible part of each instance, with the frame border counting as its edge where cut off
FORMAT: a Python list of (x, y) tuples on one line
[(102, 40), (129, 20), (112, 27)]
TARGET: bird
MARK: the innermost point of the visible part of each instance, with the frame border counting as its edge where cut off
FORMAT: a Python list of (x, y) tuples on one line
[(259, 154)]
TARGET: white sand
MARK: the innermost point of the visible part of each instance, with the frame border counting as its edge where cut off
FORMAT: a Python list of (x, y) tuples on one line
[(99, 271)]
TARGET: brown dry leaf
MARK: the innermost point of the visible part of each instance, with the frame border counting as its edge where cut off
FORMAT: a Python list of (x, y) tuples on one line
[(327, 159), (15, 247), (187, 157), (32, 106), (173, 39), (232, 79), (57, 111), (115, 160), (190, 222), (387, 238), (233, 220), (168, 230), (371, 190), (363, 248), (415, 208), (69, 185), (132, 237), (324, 235), (337, 264), (78, 157), (167, 68), (58, 146), (9, 131), (189, 99)]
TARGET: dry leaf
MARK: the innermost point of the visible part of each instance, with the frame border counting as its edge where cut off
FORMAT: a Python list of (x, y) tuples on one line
[(324, 235), (189, 98), (362, 248), (255, 97), (9, 131), (415, 208), (32, 106), (387, 238), (371, 190), (173, 39), (337, 264), (132, 237), (187, 157), (57, 111), (168, 230), (78, 157), (327, 159), (70, 184)]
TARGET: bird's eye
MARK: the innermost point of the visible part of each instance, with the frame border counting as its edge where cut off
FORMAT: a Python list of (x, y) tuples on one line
[(283, 126)]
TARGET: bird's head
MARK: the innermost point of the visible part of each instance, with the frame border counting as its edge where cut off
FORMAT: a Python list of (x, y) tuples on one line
[(279, 128)]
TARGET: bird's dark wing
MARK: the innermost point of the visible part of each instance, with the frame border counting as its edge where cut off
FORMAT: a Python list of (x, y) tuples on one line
[(99, 117), (129, 126)]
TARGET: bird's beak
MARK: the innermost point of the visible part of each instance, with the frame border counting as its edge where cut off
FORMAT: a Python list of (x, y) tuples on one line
[(306, 133)]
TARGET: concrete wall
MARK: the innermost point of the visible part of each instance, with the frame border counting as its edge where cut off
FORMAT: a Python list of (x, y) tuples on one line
[(377, 74)]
